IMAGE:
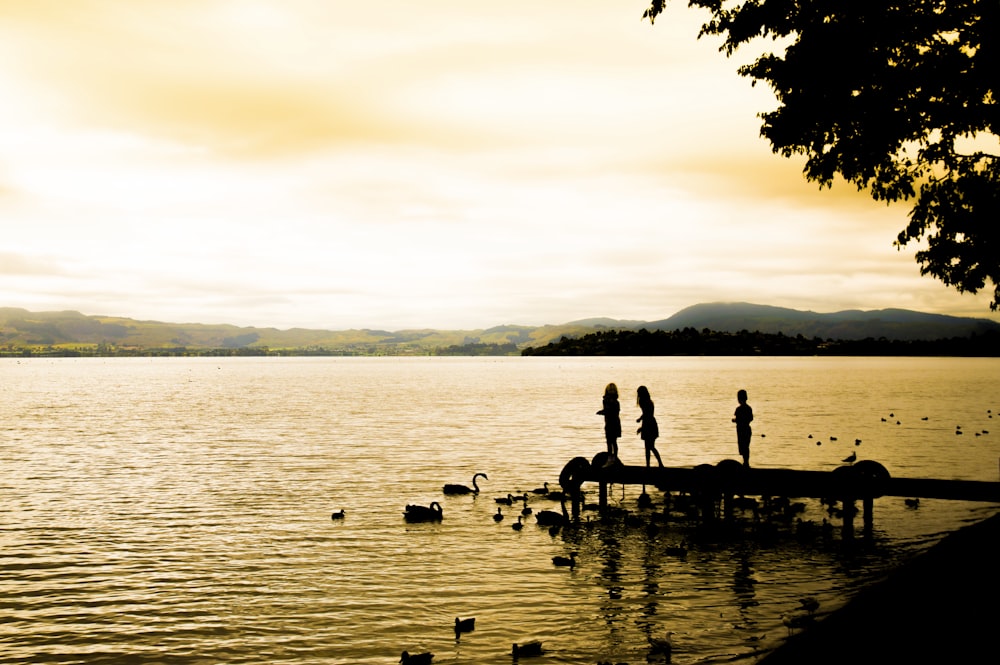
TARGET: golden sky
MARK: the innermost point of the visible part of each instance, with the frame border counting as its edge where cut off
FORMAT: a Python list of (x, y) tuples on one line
[(445, 164)]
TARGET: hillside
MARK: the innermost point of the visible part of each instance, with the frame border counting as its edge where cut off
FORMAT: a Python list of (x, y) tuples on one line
[(69, 332)]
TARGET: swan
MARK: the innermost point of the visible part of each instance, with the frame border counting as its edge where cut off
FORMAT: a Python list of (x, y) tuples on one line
[(527, 649), (526, 510), (337, 514), (565, 560), (552, 518), (518, 525), (416, 658), (462, 489), (465, 625), (541, 490), (432, 513), (499, 516)]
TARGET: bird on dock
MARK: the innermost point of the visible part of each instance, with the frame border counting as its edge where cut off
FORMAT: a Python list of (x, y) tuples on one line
[(850, 458), (416, 513), (462, 489), (526, 649), (416, 658), (568, 561), (337, 514), (464, 626), (518, 525), (499, 516)]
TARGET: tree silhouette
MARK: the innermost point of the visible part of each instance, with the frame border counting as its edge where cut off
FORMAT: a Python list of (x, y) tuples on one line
[(892, 95)]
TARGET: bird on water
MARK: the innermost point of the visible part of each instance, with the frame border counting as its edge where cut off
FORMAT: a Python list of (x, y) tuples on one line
[(463, 489), (337, 514), (569, 561), (416, 658), (499, 516), (526, 649), (416, 513), (464, 625)]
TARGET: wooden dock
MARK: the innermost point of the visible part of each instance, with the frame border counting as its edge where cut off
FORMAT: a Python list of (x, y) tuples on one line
[(715, 485)]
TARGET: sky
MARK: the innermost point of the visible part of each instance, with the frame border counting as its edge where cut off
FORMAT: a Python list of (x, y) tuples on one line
[(396, 165)]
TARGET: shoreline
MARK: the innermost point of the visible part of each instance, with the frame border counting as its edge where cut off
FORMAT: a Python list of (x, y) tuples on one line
[(938, 607)]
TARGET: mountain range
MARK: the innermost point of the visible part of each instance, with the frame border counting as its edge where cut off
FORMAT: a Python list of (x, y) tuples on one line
[(21, 329)]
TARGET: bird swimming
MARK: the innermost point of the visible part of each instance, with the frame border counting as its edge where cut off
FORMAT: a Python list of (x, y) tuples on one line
[(518, 525), (462, 489), (464, 625), (527, 649), (416, 658), (505, 500), (416, 513), (499, 516), (337, 514), (541, 490), (565, 560)]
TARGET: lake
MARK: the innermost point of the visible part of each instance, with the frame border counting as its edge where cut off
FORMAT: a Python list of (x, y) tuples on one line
[(178, 510)]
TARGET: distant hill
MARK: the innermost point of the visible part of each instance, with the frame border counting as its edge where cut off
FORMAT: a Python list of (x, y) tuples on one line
[(899, 324), (69, 332)]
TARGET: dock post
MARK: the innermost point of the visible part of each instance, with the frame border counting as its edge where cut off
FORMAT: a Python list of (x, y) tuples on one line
[(577, 497), (847, 533), (868, 505), (603, 494)]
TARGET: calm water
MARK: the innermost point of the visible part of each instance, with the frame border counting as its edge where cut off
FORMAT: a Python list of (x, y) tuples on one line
[(178, 510)]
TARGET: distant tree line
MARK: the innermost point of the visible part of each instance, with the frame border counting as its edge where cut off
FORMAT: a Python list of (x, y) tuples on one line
[(691, 342)]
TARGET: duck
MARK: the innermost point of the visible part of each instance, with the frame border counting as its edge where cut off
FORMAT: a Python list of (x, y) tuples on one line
[(526, 510), (518, 525), (662, 645), (462, 489), (416, 658), (464, 625), (850, 458), (416, 513), (677, 550), (337, 514), (505, 500), (809, 604), (568, 561), (526, 649), (499, 516), (544, 489)]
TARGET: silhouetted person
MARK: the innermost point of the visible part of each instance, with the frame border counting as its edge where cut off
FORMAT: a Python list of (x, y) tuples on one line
[(649, 430), (612, 421), (743, 417)]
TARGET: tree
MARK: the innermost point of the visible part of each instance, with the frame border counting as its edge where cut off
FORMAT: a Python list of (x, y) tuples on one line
[(892, 95)]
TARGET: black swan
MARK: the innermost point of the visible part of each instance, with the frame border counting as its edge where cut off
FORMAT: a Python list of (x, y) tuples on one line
[(553, 518), (432, 513), (462, 489), (517, 526)]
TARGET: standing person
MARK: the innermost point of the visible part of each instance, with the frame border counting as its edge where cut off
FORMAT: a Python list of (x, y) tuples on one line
[(612, 421), (649, 430), (743, 417)]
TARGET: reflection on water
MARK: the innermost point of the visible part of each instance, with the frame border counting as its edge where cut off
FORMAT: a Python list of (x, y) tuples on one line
[(179, 510)]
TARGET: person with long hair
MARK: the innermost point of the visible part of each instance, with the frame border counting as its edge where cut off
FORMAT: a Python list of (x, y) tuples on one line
[(649, 430)]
